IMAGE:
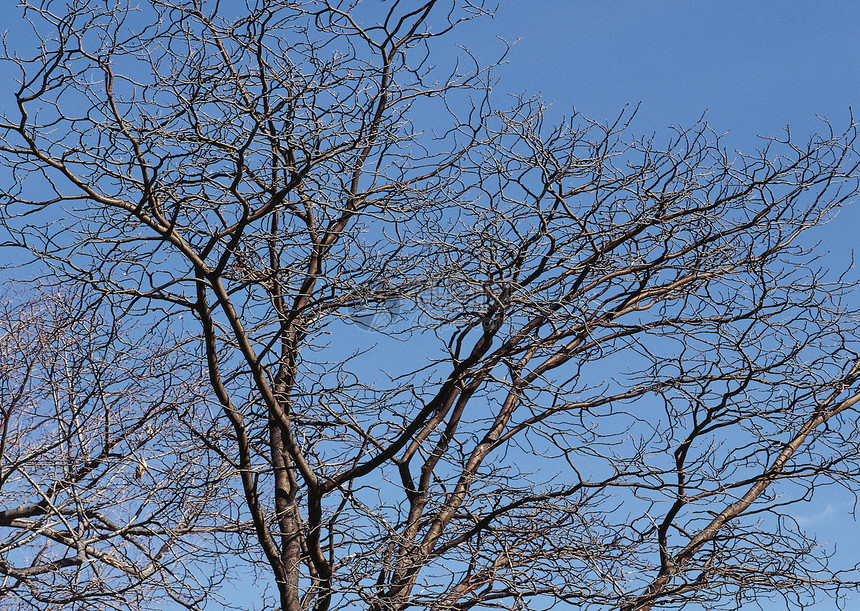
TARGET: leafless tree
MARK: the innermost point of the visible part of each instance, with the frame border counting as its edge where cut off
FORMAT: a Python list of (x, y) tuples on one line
[(105, 501), (455, 356)]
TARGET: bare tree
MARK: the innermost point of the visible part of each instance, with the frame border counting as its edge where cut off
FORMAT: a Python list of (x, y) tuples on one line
[(455, 356), (105, 501)]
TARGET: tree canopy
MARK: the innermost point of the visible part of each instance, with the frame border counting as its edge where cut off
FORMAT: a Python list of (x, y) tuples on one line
[(298, 304)]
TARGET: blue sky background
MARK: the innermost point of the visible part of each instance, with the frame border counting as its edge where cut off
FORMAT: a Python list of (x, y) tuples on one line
[(752, 68), (755, 67)]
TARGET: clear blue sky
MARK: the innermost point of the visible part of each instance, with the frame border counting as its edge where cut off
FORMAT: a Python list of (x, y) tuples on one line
[(754, 66)]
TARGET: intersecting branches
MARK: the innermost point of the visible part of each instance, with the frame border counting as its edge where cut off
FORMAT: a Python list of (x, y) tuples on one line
[(610, 366)]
